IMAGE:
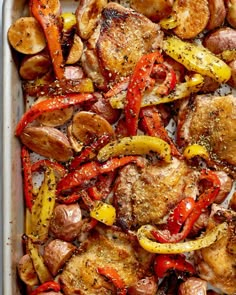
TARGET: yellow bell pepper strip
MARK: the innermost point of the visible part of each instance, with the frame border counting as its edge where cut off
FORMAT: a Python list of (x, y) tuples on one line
[(197, 59), (169, 23), (42, 271), (46, 14), (196, 150), (204, 200), (47, 286), (103, 212), (43, 207), (91, 170), (50, 104), (111, 274), (153, 126), (182, 90), (137, 84), (144, 235), (68, 20), (27, 177), (135, 145), (165, 263), (228, 55)]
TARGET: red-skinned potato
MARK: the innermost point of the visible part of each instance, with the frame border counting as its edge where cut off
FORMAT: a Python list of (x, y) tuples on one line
[(146, 286), (26, 271), (155, 10), (26, 36), (217, 14), (34, 66), (220, 40), (231, 12)]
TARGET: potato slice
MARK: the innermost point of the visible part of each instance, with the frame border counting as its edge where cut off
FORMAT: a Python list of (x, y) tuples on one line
[(217, 14), (26, 271), (75, 51), (26, 36), (87, 125), (192, 17), (55, 118), (34, 66), (231, 12), (48, 142)]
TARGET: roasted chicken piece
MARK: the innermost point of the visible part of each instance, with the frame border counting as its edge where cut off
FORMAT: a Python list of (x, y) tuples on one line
[(216, 264), (105, 247), (210, 121), (147, 195), (118, 42)]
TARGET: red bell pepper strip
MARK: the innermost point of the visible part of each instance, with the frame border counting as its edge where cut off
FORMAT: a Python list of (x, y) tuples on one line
[(180, 214), (44, 12), (164, 263), (112, 274), (91, 170), (153, 126), (47, 286), (51, 104), (138, 82), (47, 163), (70, 199), (27, 177), (205, 199)]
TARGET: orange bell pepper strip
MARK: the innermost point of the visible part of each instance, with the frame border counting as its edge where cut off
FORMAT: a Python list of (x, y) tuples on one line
[(205, 199), (138, 82), (112, 274), (27, 177), (47, 286), (153, 126), (51, 104), (45, 13), (91, 170)]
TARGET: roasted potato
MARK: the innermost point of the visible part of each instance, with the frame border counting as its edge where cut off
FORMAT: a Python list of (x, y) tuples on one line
[(34, 66), (232, 80), (231, 12), (217, 14), (26, 36), (76, 51), (192, 17), (220, 40)]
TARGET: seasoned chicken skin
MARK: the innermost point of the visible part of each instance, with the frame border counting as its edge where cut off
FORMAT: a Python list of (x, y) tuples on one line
[(216, 265), (211, 121), (120, 39), (104, 248), (147, 196)]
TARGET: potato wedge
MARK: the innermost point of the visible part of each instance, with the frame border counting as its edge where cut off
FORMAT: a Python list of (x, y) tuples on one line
[(48, 142), (54, 118), (26, 271), (217, 14), (192, 17), (75, 51), (87, 125), (26, 36), (34, 66)]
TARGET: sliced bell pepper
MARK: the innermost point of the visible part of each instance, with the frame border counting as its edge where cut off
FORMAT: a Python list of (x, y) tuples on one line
[(27, 177), (145, 237), (43, 207), (169, 22), (45, 13), (42, 271), (138, 82), (153, 126), (135, 145), (70, 199), (179, 215), (47, 105), (47, 286), (204, 200), (112, 274), (44, 163), (182, 90), (197, 59), (91, 170), (196, 150), (164, 263), (103, 212)]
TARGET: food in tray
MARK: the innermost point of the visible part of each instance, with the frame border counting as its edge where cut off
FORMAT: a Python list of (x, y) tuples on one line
[(128, 147)]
